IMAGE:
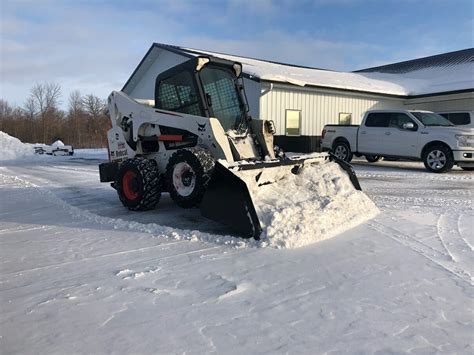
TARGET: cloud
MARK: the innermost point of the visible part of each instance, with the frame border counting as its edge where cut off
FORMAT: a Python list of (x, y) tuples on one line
[(94, 46), (80, 44), (298, 48)]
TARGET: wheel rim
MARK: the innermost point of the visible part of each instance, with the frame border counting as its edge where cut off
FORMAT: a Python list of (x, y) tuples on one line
[(340, 152), (130, 185), (184, 179), (436, 159)]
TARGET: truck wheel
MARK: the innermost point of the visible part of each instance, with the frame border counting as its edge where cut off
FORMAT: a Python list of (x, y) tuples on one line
[(138, 184), (372, 158), (187, 174), (342, 151), (438, 159)]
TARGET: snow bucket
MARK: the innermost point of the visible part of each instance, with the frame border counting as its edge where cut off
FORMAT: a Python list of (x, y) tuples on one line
[(230, 195)]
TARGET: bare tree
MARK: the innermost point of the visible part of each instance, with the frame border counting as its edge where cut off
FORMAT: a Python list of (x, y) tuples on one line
[(93, 105), (40, 119), (30, 108), (5, 113), (5, 109), (96, 126), (76, 112), (45, 99)]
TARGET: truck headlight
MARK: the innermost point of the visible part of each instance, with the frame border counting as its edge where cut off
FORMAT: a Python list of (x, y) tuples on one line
[(465, 141)]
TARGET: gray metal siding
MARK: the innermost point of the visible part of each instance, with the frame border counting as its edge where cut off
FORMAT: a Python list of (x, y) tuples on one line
[(456, 102), (318, 107)]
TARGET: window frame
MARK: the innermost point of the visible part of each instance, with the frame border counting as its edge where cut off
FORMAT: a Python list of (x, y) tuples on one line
[(299, 123), (344, 113)]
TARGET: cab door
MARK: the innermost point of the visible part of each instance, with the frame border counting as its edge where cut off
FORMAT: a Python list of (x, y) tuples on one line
[(401, 136), (372, 135)]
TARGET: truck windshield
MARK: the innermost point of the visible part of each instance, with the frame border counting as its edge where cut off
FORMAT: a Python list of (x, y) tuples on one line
[(431, 119), (221, 90)]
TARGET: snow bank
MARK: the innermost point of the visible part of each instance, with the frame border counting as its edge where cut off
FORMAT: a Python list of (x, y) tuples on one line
[(12, 148), (315, 205)]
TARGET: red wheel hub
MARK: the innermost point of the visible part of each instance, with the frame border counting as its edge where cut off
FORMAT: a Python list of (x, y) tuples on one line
[(130, 185)]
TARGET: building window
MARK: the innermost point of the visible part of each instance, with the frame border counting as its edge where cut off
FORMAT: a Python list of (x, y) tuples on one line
[(293, 122), (345, 118)]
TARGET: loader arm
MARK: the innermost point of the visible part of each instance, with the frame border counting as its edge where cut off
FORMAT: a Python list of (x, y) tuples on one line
[(138, 120)]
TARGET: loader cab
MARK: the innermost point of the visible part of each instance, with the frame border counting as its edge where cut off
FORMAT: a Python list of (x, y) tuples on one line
[(207, 87)]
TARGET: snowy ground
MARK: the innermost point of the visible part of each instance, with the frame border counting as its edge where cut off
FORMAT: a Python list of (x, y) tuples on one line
[(80, 274)]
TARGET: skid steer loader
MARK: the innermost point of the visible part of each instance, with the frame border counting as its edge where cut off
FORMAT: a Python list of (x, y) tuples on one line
[(197, 142)]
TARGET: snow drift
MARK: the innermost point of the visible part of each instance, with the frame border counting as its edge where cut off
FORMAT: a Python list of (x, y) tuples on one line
[(318, 203), (12, 148)]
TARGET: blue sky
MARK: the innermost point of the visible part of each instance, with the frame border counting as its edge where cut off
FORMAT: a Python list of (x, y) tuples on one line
[(94, 46)]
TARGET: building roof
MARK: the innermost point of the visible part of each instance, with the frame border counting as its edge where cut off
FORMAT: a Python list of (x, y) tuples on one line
[(418, 81), (444, 60)]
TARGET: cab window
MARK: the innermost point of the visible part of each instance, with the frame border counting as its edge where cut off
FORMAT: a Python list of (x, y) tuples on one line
[(378, 119), (458, 118), (397, 120), (178, 93)]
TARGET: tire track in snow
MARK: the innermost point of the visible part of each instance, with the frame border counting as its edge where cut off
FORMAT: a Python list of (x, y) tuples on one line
[(464, 238), (426, 176), (429, 253), (440, 237), (119, 253), (21, 229), (150, 228), (449, 232)]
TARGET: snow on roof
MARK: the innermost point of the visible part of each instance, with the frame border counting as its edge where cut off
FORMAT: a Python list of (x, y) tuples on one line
[(421, 80), (418, 82)]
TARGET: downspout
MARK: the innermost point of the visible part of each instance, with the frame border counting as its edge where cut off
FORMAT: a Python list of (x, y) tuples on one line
[(267, 90)]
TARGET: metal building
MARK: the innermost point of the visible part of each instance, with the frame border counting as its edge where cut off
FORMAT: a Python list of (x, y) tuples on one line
[(301, 100)]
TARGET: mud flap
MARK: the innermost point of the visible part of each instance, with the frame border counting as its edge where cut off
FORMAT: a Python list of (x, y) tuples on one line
[(227, 200)]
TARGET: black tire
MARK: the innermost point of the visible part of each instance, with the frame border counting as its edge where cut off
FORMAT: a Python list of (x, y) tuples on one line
[(342, 150), (467, 168), (138, 184), (438, 159), (187, 175), (372, 158)]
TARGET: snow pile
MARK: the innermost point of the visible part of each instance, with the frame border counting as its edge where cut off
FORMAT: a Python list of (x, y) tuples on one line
[(12, 148), (317, 204)]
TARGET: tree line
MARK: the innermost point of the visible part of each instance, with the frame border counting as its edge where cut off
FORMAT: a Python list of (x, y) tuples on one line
[(40, 120)]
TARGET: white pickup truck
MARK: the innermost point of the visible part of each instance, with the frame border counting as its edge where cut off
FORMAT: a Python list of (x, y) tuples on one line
[(408, 134)]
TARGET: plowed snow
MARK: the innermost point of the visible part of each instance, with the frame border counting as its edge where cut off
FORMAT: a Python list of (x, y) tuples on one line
[(12, 148), (317, 204)]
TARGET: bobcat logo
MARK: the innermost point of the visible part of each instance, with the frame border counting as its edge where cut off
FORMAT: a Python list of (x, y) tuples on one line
[(201, 127)]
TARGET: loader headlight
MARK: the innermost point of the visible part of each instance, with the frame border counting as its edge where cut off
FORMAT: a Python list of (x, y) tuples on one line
[(465, 141)]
